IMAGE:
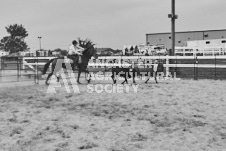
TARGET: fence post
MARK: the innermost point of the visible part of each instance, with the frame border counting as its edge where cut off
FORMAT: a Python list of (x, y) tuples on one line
[(36, 69), (215, 61), (195, 78), (17, 68), (37, 72), (175, 68), (105, 67), (167, 68), (1, 66), (196, 66)]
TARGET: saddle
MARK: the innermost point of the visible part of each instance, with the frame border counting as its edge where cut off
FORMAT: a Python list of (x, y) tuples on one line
[(68, 59)]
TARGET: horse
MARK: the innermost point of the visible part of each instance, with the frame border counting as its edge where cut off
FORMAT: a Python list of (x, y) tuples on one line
[(151, 71), (121, 71), (58, 63), (136, 71)]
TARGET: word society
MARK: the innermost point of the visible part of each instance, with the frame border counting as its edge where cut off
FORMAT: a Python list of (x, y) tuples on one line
[(109, 88)]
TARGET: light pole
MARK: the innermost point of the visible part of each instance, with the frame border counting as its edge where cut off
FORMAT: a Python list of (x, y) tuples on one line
[(173, 17), (40, 42)]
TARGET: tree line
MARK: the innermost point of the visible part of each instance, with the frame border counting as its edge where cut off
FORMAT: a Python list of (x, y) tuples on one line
[(15, 41)]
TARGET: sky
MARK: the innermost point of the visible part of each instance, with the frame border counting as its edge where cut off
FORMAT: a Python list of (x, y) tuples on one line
[(108, 23)]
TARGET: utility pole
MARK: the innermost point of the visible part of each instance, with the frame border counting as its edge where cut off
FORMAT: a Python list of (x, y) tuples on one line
[(173, 17)]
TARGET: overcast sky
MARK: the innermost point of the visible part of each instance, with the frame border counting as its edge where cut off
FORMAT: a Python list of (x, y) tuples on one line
[(108, 23)]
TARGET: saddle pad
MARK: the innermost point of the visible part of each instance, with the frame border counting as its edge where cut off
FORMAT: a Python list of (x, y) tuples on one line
[(67, 60)]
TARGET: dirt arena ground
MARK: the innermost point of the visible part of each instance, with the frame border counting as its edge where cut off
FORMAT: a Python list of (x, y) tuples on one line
[(177, 115)]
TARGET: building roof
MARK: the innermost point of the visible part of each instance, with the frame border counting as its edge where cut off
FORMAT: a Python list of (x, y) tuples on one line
[(187, 31)]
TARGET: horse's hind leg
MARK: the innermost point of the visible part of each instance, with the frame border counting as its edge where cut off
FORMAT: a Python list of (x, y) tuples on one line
[(88, 78), (58, 78), (149, 75), (113, 78), (147, 80), (125, 81)]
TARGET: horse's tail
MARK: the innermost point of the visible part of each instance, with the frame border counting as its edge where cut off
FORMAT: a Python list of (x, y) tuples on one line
[(46, 66)]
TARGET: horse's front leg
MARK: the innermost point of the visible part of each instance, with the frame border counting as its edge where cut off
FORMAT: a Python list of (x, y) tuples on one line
[(47, 79), (155, 75), (134, 76), (149, 75), (79, 73), (88, 78)]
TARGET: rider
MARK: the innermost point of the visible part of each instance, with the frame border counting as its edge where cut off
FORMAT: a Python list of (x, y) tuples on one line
[(75, 52)]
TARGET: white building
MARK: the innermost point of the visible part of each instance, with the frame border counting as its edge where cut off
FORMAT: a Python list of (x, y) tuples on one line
[(3, 53), (207, 43), (202, 48)]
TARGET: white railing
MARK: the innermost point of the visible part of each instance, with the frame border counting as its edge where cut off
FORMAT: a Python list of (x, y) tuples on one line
[(105, 61)]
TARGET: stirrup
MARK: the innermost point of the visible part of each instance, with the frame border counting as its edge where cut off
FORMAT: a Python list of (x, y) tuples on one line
[(79, 61)]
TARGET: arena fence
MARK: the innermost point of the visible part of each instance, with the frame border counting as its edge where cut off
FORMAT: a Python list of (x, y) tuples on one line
[(14, 69), (11, 70), (187, 67)]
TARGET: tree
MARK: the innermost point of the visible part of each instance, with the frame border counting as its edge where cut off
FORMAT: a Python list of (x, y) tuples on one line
[(61, 51), (15, 41)]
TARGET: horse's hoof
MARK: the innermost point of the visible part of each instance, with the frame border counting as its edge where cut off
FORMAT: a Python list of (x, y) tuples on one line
[(47, 84), (146, 82), (88, 81), (79, 82)]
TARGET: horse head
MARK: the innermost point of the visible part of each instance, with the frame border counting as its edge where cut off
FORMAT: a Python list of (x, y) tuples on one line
[(89, 48)]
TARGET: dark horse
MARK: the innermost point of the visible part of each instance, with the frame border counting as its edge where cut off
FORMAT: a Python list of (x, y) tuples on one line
[(58, 63), (136, 71), (150, 71)]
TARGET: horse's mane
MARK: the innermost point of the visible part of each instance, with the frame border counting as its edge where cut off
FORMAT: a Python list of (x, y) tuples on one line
[(86, 44)]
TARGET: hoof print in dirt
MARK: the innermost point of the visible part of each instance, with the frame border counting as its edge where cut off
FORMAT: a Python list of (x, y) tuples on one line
[(63, 145), (88, 146), (96, 114), (139, 137), (16, 131), (68, 96), (30, 97), (75, 127), (25, 121), (53, 99)]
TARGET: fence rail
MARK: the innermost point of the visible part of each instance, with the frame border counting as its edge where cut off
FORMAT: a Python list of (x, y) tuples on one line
[(29, 68)]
